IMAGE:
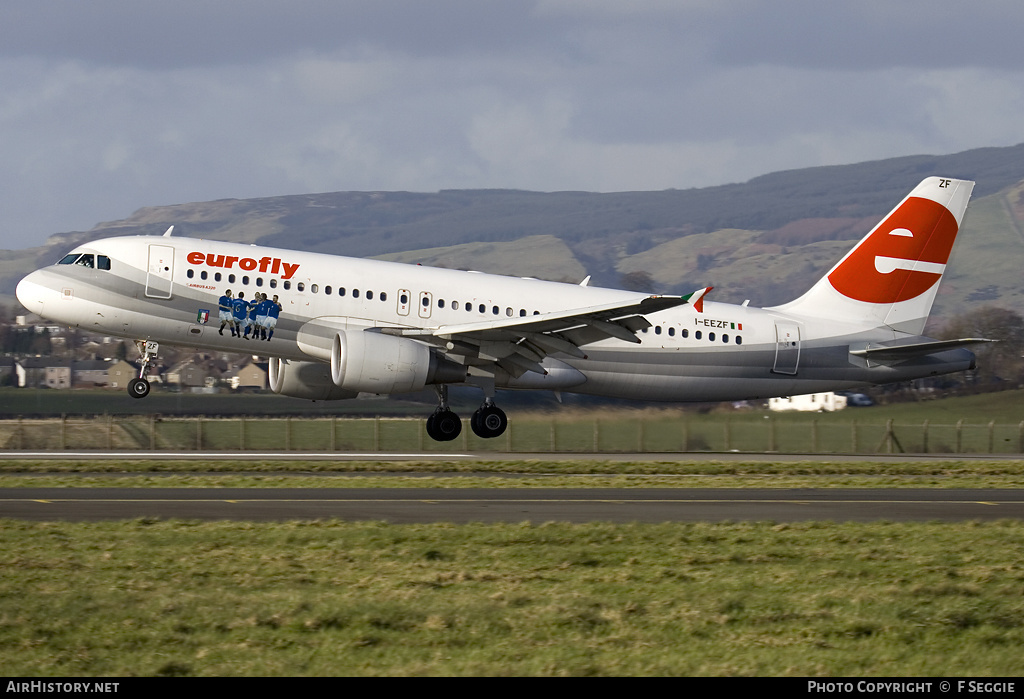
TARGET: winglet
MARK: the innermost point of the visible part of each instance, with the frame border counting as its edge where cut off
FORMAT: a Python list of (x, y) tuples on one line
[(696, 299)]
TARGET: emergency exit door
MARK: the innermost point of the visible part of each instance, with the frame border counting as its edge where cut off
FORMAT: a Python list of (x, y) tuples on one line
[(160, 271)]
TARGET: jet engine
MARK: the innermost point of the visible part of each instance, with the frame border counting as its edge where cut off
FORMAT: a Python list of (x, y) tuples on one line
[(311, 380), (376, 363)]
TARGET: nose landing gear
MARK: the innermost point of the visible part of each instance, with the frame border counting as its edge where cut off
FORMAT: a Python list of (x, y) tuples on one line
[(139, 387)]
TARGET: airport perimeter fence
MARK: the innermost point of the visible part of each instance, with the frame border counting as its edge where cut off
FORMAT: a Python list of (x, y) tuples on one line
[(530, 434)]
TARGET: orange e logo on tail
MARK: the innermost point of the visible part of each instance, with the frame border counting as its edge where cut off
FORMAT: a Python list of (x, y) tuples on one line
[(903, 258)]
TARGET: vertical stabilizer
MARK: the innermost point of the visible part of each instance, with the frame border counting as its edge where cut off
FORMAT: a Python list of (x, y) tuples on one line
[(892, 275)]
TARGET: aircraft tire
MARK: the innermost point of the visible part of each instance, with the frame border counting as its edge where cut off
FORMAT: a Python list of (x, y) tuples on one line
[(138, 388), (444, 426), (489, 422)]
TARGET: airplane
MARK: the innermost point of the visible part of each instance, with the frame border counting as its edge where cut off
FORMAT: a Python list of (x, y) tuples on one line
[(343, 326)]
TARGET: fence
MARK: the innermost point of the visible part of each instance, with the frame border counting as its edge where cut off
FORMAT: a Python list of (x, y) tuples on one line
[(527, 434)]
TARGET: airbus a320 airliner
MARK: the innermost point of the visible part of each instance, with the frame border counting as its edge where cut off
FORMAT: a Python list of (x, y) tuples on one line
[(340, 326)]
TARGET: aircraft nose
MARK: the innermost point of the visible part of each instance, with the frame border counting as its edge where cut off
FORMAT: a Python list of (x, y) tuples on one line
[(33, 293)]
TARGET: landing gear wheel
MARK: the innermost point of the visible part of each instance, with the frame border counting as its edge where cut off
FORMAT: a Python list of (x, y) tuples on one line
[(444, 425), (138, 388), (489, 422)]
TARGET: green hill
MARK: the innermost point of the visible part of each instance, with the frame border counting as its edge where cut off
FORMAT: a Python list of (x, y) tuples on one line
[(765, 240)]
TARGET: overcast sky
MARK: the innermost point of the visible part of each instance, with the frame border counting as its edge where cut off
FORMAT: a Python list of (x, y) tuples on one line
[(110, 105)]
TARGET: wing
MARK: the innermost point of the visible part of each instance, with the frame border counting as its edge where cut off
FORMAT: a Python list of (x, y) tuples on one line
[(518, 345)]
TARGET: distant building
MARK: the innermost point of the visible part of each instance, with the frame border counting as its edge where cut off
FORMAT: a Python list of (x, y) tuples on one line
[(120, 373), (187, 374), (253, 375), (90, 373), (811, 402)]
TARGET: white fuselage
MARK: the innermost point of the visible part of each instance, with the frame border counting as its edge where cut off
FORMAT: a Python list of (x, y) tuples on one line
[(167, 289)]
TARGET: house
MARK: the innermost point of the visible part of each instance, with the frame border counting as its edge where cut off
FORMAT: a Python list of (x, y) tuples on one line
[(119, 373), (253, 375), (811, 402), (90, 372), (187, 374)]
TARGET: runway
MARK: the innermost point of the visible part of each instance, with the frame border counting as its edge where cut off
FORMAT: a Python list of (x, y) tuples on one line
[(464, 505)]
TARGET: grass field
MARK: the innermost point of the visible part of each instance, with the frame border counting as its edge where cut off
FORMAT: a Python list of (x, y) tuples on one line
[(333, 598)]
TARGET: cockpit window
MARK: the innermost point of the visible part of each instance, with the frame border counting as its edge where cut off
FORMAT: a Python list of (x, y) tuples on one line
[(86, 260)]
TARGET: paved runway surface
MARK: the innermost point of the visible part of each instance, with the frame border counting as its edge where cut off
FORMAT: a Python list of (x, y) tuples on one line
[(512, 504)]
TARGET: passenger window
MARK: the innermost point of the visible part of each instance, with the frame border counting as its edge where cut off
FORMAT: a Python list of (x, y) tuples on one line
[(508, 312), (314, 288), (440, 303), (369, 295), (711, 337), (739, 340), (383, 296), (287, 285), (697, 335), (725, 338), (273, 283), (403, 299), (355, 293), (259, 280), (483, 308), (191, 273), (341, 291), (685, 333), (202, 275), (245, 280), (455, 305), (231, 279), (494, 310), (301, 286), (217, 277), (657, 329), (327, 290), (671, 332)]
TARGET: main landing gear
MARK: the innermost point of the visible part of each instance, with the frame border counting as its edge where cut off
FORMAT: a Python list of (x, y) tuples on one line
[(443, 425), (139, 387)]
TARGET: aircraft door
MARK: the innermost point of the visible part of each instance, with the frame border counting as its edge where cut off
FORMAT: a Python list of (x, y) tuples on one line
[(160, 271), (426, 302), (787, 348), (404, 302)]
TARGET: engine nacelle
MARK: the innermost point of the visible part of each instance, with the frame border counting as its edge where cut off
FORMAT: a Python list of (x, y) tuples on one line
[(376, 363), (311, 380)]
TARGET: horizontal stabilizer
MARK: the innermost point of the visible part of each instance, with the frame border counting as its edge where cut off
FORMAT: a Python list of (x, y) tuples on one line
[(908, 350)]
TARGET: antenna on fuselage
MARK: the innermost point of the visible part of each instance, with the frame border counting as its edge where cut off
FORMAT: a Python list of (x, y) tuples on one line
[(167, 233)]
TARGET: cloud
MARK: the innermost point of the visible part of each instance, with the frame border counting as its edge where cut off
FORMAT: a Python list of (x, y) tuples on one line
[(112, 105)]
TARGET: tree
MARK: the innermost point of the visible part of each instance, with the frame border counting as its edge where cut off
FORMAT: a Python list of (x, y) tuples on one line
[(638, 281), (999, 363)]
